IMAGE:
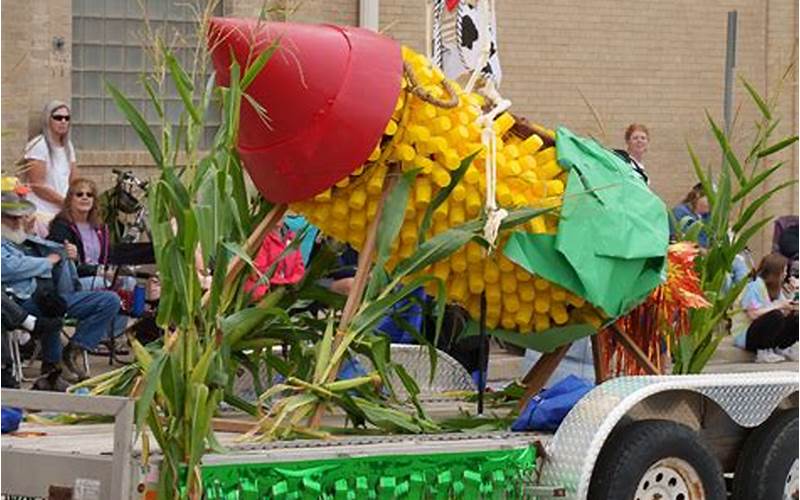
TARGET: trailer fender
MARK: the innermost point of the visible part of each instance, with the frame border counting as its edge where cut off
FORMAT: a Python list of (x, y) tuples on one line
[(748, 399)]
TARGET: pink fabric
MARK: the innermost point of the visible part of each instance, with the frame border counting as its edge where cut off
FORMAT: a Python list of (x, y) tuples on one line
[(290, 270)]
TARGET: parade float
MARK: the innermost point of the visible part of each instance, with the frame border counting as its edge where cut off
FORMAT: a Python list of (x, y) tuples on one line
[(544, 237)]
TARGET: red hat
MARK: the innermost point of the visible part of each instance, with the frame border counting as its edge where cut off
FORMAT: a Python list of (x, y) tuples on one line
[(328, 92)]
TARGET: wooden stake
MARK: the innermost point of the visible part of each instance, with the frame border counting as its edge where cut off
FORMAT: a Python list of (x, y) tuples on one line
[(251, 246), (363, 272), (640, 357), (541, 371), (598, 358)]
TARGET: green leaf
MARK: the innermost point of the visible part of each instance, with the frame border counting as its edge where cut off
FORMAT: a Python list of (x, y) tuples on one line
[(254, 69), (183, 84), (756, 204), (730, 156), (324, 351), (777, 147), (150, 383), (443, 194), (762, 106), (138, 123), (755, 182), (411, 387), (708, 189)]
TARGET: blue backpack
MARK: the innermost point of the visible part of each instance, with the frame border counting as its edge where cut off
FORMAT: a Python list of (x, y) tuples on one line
[(546, 410), (11, 417)]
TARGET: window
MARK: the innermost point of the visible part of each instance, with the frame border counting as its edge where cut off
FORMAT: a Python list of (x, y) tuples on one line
[(107, 37)]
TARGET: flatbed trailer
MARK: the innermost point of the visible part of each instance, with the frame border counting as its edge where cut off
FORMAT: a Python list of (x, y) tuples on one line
[(659, 436)]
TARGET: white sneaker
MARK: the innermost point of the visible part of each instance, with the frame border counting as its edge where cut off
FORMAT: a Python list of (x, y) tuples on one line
[(768, 356), (790, 353)]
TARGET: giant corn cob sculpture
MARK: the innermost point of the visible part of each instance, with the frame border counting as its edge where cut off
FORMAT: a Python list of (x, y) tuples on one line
[(413, 118)]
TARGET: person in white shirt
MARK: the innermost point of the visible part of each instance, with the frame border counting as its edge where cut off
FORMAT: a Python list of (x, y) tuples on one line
[(50, 164)]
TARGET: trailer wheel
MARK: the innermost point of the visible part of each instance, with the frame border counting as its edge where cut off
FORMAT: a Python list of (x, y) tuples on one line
[(768, 464), (656, 459)]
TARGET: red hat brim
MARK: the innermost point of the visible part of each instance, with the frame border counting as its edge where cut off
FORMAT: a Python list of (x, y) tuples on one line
[(328, 92)]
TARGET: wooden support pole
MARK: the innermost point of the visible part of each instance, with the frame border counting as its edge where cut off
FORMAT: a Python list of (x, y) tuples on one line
[(541, 372), (598, 358), (640, 357), (363, 272)]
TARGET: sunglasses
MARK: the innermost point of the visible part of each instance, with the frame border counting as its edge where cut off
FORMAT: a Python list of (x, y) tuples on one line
[(83, 194), (60, 118)]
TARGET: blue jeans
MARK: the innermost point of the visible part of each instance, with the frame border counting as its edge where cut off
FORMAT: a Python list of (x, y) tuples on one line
[(94, 311)]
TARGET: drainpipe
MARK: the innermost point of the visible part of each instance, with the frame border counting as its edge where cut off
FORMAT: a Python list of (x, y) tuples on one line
[(368, 14)]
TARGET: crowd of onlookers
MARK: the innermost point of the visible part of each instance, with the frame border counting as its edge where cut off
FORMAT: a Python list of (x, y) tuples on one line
[(56, 248)]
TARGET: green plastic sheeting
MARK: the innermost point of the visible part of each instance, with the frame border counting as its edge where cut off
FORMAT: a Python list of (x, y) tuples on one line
[(484, 474), (613, 232)]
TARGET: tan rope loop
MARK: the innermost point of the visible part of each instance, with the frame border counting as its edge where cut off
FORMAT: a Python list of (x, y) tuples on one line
[(419, 91)]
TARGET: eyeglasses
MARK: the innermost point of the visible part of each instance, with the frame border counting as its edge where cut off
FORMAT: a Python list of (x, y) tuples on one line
[(83, 194), (60, 118)]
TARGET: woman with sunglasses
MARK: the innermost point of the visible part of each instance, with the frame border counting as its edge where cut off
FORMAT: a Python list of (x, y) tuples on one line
[(50, 164), (79, 223)]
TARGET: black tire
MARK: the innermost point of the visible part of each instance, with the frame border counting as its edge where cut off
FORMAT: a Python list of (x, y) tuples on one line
[(630, 452), (766, 458)]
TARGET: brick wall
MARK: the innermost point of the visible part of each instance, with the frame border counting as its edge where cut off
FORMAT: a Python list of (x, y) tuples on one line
[(658, 63)]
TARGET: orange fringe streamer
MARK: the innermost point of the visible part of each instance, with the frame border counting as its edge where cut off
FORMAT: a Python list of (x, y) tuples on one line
[(660, 319)]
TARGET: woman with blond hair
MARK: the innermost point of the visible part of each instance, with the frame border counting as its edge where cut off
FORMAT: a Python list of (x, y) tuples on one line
[(78, 223), (50, 163)]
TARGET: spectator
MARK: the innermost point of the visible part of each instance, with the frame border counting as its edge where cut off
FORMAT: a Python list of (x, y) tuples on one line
[(35, 272), (50, 164), (787, 242), (79, 223), (764, 320), (694, 208), (637, 138), (288, 270)]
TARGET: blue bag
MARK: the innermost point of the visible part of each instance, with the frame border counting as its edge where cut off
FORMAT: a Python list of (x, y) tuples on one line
[(546, 410), (11, 417)]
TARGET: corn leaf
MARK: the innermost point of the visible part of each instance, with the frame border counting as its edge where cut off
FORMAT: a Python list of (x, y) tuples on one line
[(254, 69), (751, 209), (727, 151), (756, 182), (151, 383), (443, 194), (183, 85), (138, 123), (762, 106), (777, 147)]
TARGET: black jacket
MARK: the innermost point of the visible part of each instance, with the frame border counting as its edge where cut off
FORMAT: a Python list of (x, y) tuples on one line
[(63, 230)]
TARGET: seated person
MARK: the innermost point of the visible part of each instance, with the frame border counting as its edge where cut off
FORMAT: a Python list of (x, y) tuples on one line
[(694, 208), (764, 320), (287, 271), (79, 223), (35, 272)]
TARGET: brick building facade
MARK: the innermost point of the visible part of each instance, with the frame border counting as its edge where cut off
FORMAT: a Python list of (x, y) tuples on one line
[(658, 63)]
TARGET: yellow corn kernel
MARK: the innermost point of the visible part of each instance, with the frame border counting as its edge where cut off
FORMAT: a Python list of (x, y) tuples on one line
[(491, 273), (511, 151), (473, 203), (459, 261), (506, 265), (526, 291), (440, 176), (508, 283), (422, 192), (441, 270), (404, 152), (408, 234), (525, 312), (423, 162), (449, 159), (503, 123), (343, 183), (340, 210), (474, 253), (472, 175), (372, 208), (522, 275), (541, 303), (508, 322), (375, 182), (358, 198), (541, 284), (440, 214), (559, 313), (545, 155), (504, 196), (321, 211), (574, 300), (417, 133), (323, 196), (511, 303), (528, 162), (541, 322), (438, 144), (375, 154), (537, 225), (458, 289), (554, 187), (442, 124), (547, 170), (391, 128), (458, 134), (493, 295), (558, 294), (357, 221), (476, 283), (459, 192), (457, 216), (530, 145)]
